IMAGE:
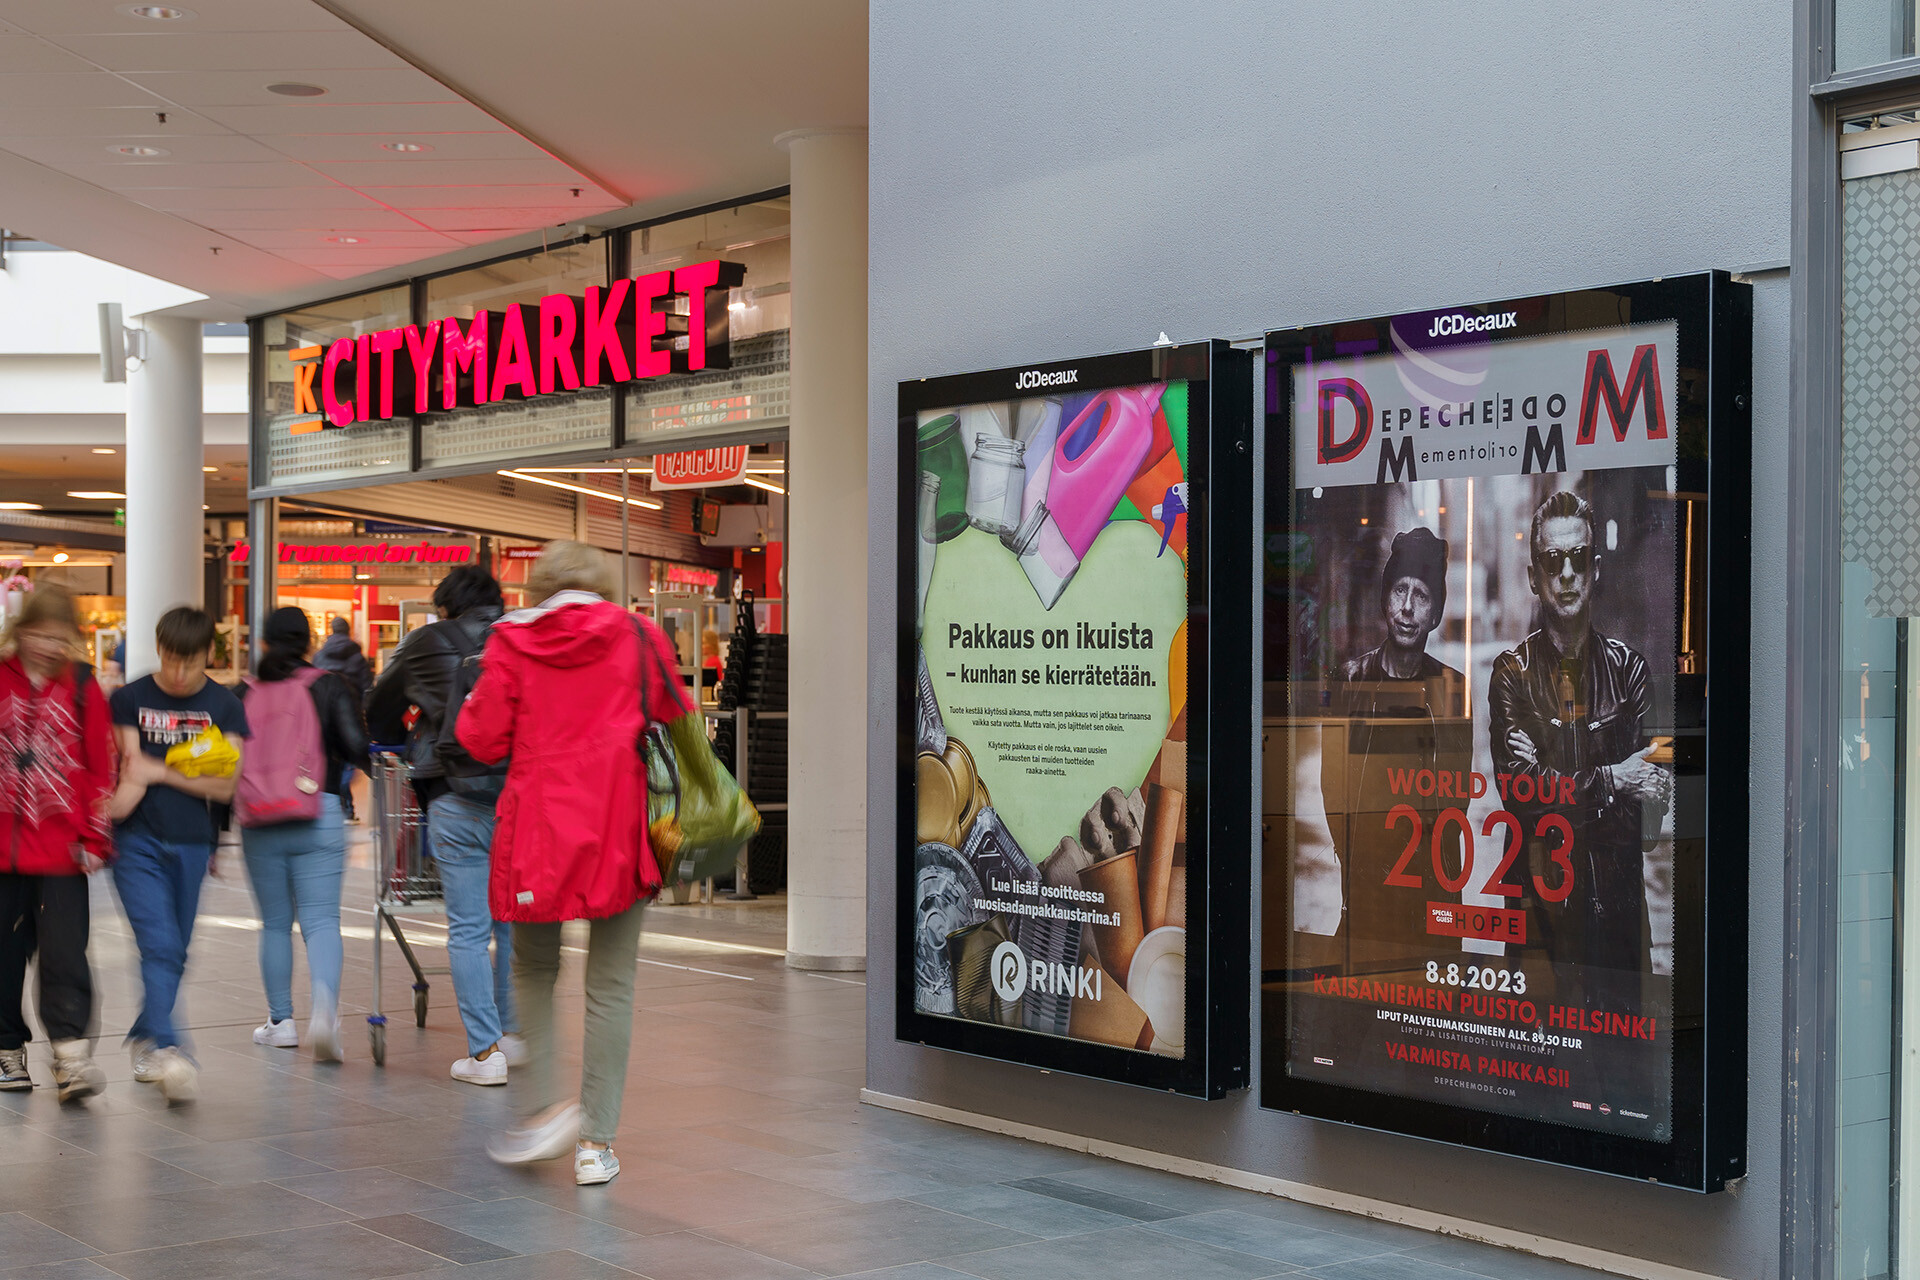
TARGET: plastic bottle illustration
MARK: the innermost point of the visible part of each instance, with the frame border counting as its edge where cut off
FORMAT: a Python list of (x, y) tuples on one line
[(1094, 460)]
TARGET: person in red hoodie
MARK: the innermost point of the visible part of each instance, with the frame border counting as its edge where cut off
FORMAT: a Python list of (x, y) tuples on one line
[(565, 690), (57, 769)]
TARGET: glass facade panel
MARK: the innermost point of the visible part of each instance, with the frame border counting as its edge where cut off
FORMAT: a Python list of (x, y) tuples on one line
[(1869, 32), (368, 450)]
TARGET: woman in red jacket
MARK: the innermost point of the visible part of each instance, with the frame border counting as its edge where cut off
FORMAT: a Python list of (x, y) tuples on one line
[(57, 768), (565, 689)]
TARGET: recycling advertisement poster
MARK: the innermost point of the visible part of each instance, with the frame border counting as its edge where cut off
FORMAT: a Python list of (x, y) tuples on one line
[(1048, 876)]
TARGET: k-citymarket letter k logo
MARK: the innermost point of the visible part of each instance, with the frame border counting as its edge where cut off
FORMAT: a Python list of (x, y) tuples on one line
[(1009, 971), (667, 322)]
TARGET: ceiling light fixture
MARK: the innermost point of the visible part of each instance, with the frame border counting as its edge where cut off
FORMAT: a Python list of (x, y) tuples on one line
[(210, 470), (139, 152), (106, 451), (294, 89), (21, 506), (343, 239), (102, 495), (762, 484), (157, 12), (61, 557), (406, 148), (580, 488)]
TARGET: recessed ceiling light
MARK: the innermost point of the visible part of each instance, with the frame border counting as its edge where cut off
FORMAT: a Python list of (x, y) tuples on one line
[(406, 148), (294, 89), (209, 468), (157, 12), (104, 451), (139, 152), (103, 495), (61, 557), (21, 506), (343, 239)]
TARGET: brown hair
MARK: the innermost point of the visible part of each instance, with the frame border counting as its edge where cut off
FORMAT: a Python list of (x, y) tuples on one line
[(46, 605), (184, 632)]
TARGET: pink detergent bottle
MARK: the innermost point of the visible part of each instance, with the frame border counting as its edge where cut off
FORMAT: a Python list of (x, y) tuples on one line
[(1094, 460)]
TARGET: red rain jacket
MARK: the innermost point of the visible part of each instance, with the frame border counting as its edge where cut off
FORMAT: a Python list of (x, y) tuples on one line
[(559, 698), (57, 769)]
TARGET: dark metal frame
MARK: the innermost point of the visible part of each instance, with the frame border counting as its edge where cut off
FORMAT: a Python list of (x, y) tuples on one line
[(1220, 720), (1715, 319)]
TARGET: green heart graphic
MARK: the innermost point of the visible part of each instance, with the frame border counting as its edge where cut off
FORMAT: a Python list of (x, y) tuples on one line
[(1045, 768)]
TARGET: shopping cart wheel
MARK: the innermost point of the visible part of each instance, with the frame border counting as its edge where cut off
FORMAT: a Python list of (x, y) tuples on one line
[(377, 1035), (420, 1004)]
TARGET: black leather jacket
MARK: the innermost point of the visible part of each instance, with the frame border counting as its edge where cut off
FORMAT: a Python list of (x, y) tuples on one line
[(420, 674), (341, 729), (1582, 715)]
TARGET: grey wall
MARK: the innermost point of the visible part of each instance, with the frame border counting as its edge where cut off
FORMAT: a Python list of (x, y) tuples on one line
[(1050, 181)]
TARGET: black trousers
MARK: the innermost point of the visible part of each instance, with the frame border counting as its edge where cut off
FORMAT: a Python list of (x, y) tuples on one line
[(48, 914)]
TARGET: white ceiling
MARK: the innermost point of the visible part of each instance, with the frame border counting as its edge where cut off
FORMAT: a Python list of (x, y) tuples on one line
[(537, 115)]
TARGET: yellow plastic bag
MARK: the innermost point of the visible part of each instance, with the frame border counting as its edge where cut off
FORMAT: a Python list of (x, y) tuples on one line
[(208, 756)]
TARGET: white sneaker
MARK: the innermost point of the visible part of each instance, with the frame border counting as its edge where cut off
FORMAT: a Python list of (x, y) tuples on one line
[(146, 1061), (515, 1048), (547, 1137), (75, 1072), (278, 1035), (323, 1031), (491, 1069), (178, 1078), (593, 1165), (13, 1069)]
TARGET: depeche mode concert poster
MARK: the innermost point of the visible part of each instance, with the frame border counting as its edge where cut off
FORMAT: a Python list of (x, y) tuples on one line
[(1056, 824), (1490, 556)]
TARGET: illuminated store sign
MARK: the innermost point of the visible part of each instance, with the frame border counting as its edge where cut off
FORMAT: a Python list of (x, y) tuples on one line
[(423, 552), (700, 468), (635, 329)]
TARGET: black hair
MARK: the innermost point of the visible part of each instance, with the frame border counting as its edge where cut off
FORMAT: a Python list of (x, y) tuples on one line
[(1562, 504), (340, 626), (288, 636), (184, 632), (467, 588)]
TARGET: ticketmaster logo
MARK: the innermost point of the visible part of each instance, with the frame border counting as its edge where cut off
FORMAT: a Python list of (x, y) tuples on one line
[(1034, 378), (1009, 972)]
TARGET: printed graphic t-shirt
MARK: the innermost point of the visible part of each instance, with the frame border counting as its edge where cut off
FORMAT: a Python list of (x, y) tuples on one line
[(164, 721)]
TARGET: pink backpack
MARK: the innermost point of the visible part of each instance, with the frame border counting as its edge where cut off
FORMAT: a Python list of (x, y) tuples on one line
[(284, 766)]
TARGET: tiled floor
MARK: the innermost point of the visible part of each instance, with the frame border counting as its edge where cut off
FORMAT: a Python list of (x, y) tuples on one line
[(746, 1154)]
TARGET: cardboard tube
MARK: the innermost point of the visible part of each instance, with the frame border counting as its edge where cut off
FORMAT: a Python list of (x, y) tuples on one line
[(1118, 880), (1112, 1019), (1161, 834), (1177, 891)]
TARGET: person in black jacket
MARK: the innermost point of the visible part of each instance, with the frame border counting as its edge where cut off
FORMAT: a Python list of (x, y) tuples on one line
[(342, 655), (431, 670), (296, 867)]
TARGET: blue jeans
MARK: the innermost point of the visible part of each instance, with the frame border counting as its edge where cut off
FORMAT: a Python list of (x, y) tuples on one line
[(159, 883), (295, 868), (461, 833)]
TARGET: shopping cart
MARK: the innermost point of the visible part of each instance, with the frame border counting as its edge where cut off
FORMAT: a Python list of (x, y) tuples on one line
[(406, 882)]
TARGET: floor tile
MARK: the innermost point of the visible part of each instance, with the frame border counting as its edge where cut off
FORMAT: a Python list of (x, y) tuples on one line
[(867, 1237), (49, 1183), (183, 1217), (527, 1226), (853, 1176), (1170, 1190), (238, 1161), (1389, 1266), (912, 1271), (480, 1179), (360, 1146), (369, 1193), (682, 1255), (1024, 1211), (444, 1242), (1094, 1198), (1103, 1255), (25, 1242), (339, 1251), (72, 1269), (1265, 1238), (561, 1264), (1498, 1264)]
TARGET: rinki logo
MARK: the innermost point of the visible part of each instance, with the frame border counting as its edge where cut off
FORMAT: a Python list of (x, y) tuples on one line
[(1009, 971), (630, 331)]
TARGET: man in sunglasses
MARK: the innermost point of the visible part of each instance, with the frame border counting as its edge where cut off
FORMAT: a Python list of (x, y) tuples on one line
[(1568, 710)]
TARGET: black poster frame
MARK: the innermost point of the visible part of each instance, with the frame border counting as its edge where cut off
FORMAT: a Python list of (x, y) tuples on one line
[(1714, 319), (1220, 702)]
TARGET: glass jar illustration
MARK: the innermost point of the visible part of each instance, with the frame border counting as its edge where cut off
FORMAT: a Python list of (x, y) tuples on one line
[(929, 538), (943, 454), (996, 482)]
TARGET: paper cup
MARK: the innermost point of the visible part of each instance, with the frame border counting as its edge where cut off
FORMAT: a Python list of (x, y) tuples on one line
[(1113, 1019), (1160, 837), (1118, 880)]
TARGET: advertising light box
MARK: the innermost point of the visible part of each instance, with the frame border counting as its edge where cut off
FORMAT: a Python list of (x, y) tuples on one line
[(1505, 716), (1074, 773)]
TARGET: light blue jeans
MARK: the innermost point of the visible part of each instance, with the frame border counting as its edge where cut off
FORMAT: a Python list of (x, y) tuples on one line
[(295, 868), (461, 834), (159, 883)]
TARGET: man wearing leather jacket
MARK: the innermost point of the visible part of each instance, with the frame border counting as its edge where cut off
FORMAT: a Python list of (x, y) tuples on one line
[(457, 794), (1568, 711)]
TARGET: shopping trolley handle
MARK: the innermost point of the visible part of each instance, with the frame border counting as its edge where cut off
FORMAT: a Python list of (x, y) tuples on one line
[(386, 749)]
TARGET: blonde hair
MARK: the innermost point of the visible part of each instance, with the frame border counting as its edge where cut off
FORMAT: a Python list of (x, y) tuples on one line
[(43, 606), (572, 566)]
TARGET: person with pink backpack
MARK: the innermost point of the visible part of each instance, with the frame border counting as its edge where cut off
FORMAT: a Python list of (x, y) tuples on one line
[(307, 727)]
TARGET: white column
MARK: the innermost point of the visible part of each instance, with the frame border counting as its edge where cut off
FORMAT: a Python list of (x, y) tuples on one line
[(165, 486), (826, 554)]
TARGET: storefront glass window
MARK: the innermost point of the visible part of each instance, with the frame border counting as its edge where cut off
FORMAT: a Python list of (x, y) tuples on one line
[(1869, 32), (1880, 593), (368, 449), (757, 236), (510, 429)]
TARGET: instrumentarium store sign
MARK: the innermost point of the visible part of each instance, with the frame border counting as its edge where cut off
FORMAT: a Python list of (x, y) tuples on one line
[(632, 330), (1510, 814), (1056, 873), (424, 551)]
